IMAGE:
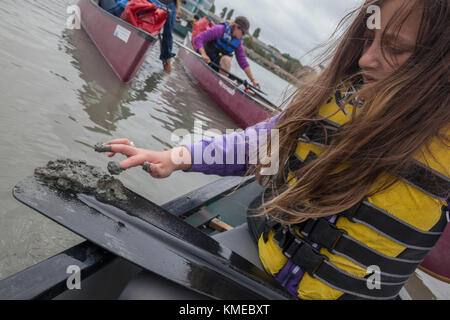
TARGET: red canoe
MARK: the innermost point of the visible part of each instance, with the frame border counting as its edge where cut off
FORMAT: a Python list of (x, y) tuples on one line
[(246, 109), (437, 262), (123, 45)]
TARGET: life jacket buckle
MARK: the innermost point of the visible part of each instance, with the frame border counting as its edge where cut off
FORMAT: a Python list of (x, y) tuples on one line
[(304, 255), (342, 232), (282, 238)]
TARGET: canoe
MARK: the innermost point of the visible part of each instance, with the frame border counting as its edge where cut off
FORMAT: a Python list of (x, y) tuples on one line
[(104, 274), (437, 262), (122, 45), (245, 108), (212, 208)]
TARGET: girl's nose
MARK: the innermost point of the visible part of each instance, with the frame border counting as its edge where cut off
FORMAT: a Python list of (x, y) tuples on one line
[(371, 57)]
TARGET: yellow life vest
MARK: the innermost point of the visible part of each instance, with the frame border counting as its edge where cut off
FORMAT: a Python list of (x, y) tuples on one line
[(384, 238)]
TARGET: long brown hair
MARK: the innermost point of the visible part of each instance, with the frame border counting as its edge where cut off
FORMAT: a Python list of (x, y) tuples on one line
[(399, 115)]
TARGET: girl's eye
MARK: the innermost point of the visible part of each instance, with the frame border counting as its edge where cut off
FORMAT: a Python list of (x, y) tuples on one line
[(396, 50), (368, 42)]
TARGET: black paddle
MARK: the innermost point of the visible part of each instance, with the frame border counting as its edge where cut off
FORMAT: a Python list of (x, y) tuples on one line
[(152, 238), (230, 75)]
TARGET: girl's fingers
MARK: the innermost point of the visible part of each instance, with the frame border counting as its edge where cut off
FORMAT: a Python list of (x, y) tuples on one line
[(135, 161), (158, 171), (112, 154), (119, 141), (123, 149)]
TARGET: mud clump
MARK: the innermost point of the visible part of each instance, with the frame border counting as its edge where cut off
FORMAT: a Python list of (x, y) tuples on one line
[(115, 168), (78, 176)]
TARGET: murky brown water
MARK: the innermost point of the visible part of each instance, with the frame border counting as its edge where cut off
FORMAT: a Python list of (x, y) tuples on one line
[(58, 97)]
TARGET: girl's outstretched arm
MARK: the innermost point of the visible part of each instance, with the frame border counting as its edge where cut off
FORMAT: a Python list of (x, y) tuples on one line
[(225, 155)]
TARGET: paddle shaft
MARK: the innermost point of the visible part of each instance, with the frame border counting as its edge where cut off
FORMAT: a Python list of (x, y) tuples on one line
[(232, 76)]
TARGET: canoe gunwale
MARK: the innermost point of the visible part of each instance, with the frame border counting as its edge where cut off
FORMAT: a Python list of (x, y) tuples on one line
[(141, 33)]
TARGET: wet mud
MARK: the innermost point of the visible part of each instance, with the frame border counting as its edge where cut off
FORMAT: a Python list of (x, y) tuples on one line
[(114, 168), (78, 176)]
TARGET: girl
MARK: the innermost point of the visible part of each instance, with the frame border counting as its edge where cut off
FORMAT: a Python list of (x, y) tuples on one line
[(364, 160)]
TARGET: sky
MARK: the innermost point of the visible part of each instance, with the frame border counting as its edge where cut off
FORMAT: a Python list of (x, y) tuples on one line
[(292, 26)]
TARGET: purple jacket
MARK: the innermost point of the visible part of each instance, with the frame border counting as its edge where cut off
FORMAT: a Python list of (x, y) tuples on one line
[(227, 148), (215, 33)]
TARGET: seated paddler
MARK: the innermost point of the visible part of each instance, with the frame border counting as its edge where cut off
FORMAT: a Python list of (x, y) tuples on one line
[(219, 43)]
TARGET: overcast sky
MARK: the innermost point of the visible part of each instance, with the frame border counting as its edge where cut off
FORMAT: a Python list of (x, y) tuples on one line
[(293, 26)]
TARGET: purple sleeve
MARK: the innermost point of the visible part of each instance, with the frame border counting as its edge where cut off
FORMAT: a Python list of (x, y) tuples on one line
[(227, 155), (211, 34), (240, 56)]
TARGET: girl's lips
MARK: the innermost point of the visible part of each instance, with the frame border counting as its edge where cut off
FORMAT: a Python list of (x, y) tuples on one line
[(368, 79)]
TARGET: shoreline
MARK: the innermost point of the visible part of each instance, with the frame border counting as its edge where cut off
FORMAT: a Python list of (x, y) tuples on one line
[(272, 67)]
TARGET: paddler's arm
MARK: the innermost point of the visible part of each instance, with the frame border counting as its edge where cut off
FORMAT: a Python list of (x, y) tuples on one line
[(243, 63), (249, 74), (204, 55), (211, 34)]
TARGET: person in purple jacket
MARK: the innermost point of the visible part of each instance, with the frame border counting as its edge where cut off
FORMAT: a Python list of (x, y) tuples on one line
[(219, 43)]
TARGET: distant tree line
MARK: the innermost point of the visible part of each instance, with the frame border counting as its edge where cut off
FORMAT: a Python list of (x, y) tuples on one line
[(290, 65)]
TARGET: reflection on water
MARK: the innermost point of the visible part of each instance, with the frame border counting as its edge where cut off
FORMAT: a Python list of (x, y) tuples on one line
[(102, 96)]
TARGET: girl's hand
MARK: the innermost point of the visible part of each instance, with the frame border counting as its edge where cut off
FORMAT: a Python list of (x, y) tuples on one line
[(162, 164)]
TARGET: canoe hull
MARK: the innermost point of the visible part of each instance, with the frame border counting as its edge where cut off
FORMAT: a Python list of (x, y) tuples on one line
[(437, 262), (122, 45), (237, 104)]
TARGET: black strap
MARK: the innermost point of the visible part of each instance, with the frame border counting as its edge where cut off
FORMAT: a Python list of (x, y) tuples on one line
[(342, 281), (318, 266), (295, 163), (393, 228), (314, 133), (144, 12), (428, 180), (282, 237), (270, 225), (304, 255), (337, 241)]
